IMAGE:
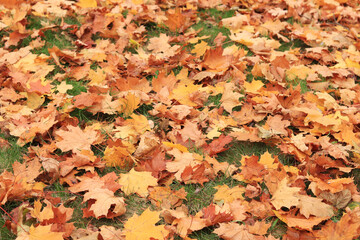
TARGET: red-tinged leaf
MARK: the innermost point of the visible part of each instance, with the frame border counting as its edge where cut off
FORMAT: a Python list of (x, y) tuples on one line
[(214, 215), (195, 174), (218, 145)]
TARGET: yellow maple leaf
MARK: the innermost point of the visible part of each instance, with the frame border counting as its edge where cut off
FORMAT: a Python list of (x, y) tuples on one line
[(300, 72), (45, 214), (137, 182), (178, 146), (253, 87), (87, 3), (128, 104), (227, 194), (139, 122), (97, 77), (34, 100), (40, 233), (353, 66), (119, 156), (182, 93), (268, 161), (200, 48), (143, 227)]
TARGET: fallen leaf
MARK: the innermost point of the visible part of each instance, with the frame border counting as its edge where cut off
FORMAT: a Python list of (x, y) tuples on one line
[(233, 231), (144, 226), (137, 182), (76, 139), (40, 232), (105, 202), (227, 194), (314, 206), (87, 3), (285, 196)]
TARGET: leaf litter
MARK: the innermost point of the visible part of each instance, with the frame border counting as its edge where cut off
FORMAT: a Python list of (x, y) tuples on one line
[(138, 87)]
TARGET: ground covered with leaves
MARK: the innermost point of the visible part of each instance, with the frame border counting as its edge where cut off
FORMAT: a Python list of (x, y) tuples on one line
[(201, 119)]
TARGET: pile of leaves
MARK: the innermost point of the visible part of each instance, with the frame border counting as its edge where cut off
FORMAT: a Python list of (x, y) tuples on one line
[(123, 103)]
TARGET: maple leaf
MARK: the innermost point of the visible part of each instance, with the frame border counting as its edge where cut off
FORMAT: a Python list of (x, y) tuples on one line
[(87, 3), (143, 226), (63, 87), (253, 87), (182, 93), (118, 156), (87, 183), (200, 48), (346, 228), (215, 60), (41, 215), (194, 174), (314, 206), (233, 231), (40, 232), (339, 199), (191, 131), (166, 198), (230, 97), (136, 182), (214, 214), (181, 161), (162, 81), (298, 221), (76, 139), (104, 200), (128, 104), (161, 48), (268, 161), (285, 196), (148, 142), (218, 145), (186, 225), (259, 228), (175, 20), (227, 194), (251, 169)]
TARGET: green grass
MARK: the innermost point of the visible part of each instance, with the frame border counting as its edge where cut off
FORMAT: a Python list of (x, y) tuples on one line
[(214, 100), (7, 157), (154, 30), (34, 22), (277, 228), (10, 155), (52, 38), (208, 29), (205, 234), (296, 43), (215, 14), (238, 149), (5, 234), (302, 82), (78, 87), (199, 196)]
